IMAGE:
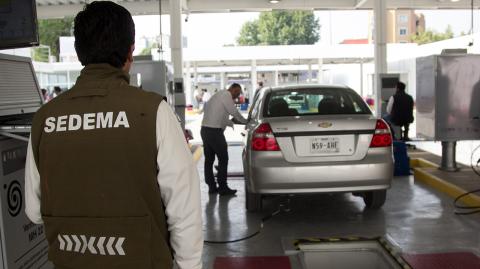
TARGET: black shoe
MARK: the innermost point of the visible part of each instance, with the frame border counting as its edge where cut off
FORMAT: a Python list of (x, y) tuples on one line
[(212, 189), (226, 191)]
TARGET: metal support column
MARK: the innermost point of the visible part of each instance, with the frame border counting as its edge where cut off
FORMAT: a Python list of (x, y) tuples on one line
[(188, 84), (362, 93), (68, 80), (177, 60), (380, 13), (222, 81), (320, 71), (275, 79), (253, 76), (195, 74), (449, 162), (310, 73)]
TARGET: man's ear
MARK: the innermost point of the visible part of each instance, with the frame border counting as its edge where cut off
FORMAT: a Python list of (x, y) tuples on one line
[(130, 53), (129, 60)]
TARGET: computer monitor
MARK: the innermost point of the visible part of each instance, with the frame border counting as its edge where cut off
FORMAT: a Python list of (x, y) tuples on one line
[(18, 24), (19, 90)]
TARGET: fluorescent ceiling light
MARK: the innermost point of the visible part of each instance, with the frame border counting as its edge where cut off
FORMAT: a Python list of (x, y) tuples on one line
[(274, 1)]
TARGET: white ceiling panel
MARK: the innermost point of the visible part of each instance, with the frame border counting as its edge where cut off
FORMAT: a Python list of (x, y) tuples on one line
[(61, 8)]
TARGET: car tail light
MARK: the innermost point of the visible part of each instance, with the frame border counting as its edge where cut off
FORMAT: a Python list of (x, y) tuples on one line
[(263, 139), (382, 136)]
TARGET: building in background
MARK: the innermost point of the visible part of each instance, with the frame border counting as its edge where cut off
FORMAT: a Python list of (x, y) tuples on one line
[(355, 41), (401, 25), (67, 49)]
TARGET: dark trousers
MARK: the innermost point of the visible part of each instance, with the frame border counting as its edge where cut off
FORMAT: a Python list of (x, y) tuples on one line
[(406, 128), (214, 143), (403, 134)]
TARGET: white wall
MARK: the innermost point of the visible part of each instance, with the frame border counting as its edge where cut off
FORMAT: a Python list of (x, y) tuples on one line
[(25, 52)]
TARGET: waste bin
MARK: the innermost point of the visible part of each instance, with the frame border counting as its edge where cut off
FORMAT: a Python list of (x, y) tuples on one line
[(402, 161), (244, 107)]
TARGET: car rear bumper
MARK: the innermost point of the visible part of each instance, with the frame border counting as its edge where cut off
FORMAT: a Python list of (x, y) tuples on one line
[(270, 173)]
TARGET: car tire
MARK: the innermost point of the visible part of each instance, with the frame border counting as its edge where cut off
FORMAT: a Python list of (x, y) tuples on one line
[(253, 201), (375, 199)]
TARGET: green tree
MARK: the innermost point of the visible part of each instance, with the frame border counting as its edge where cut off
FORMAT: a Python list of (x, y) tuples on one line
[(281, 28), (430, 36), (148, 49), (249, 34), (40, 54), (50, 30)]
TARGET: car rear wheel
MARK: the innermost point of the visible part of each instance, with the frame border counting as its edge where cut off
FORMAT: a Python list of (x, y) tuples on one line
[(253, 201), (375, 199)]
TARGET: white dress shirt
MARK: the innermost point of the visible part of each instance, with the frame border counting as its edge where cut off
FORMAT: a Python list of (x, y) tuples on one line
[(218, 109), (206, 97), (179, 184), (390, 105)]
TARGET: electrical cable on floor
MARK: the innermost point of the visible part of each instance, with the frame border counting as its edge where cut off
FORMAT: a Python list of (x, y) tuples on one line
[(281, 208), (469, 210)]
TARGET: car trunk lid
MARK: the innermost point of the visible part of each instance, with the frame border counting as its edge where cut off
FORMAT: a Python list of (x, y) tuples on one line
[(329, 138)]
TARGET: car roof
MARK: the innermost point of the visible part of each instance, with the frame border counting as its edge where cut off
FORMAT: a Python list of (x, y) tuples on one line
[(308, 86)]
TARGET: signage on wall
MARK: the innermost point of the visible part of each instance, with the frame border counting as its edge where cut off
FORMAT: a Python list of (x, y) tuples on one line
[(23, 243)]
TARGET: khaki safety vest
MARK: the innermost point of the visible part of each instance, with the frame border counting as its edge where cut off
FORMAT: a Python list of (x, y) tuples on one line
[(95, 149)]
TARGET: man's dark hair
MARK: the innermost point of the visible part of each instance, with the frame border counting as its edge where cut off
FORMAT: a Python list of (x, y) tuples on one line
[(57, 89), (235, 85), (401, 86), (104, 33)]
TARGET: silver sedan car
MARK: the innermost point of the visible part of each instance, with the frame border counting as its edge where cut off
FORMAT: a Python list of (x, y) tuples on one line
[(315, 139)]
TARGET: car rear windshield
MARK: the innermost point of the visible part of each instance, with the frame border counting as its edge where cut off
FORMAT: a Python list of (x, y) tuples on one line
[(324, 101)]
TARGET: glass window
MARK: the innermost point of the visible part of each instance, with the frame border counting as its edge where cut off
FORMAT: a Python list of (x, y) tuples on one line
[(403, 18), (62, 79), (324, 101), (52, 79), (255, 105), (403, 31)]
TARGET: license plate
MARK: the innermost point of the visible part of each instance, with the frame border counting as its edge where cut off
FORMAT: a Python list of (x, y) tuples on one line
[(325, 145)]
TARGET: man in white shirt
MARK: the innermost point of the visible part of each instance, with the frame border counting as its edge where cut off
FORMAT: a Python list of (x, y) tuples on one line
[(215, 120), (206, 96)]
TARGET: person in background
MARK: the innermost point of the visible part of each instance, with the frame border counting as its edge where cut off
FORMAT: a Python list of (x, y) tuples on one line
[(107, 163), (199, 99), (206, 96), (196, 93), (247, 97), (45, 95), (400, 110), (215, 120), (260, 85), (56, 91)]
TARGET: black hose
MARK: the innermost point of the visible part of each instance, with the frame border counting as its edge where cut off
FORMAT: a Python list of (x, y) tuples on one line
[(262, 222), (470, 209)]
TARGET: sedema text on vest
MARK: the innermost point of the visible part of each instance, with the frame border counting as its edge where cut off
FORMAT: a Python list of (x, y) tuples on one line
[(88, 121)]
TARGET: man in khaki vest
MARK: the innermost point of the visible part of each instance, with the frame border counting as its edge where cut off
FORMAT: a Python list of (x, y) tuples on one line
[(108, 171)]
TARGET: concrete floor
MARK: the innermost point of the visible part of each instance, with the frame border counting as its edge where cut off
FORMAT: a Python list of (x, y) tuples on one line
[(416, 218)]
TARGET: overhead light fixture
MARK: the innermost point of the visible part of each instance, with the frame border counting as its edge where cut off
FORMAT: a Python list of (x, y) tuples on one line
[(274, 1)]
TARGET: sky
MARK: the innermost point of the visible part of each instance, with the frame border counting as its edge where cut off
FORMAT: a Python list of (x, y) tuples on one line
[(210, 30)]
